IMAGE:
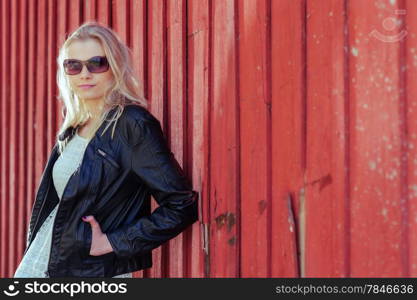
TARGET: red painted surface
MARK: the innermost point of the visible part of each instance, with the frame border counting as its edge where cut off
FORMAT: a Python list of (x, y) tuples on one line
[(296, 126), (254, 138), (326, 201), (287, 136)]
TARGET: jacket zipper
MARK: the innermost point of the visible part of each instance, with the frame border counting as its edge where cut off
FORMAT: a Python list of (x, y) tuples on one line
[(37, 218), (60, 201), (56, 214), (84, 205), (42, 205), (108, 158)]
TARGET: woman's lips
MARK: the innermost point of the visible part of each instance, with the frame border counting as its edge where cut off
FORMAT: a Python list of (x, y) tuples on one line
[(86, 86)]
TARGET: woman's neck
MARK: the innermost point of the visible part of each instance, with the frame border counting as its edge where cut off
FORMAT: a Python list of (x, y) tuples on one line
[(95, 108)]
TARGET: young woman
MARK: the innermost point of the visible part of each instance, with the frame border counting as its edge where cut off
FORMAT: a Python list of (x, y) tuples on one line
[(92, 215)]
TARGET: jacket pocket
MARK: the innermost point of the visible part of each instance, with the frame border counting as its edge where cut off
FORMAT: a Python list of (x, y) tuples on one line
[(108, 158), (86, 257), (86, 237), (93, 270), (107, 172)]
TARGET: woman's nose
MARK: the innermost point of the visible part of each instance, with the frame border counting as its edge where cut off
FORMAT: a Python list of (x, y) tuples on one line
[(84, 72)]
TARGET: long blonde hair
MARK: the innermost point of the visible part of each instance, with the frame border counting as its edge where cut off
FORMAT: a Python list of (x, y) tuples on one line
[(125, 89)]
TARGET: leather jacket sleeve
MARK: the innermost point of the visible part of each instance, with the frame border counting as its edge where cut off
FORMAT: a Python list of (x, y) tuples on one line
[(154, 163)]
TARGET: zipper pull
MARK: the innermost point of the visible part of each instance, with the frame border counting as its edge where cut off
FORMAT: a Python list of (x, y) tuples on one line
[(102, 152)]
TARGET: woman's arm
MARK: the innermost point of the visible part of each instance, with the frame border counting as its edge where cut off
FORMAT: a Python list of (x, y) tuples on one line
[(154, 163)]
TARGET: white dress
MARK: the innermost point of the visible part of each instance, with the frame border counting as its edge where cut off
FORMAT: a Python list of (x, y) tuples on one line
[(34, 264)]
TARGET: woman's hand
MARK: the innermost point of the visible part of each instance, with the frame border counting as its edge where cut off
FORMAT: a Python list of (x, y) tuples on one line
[(99, 243)]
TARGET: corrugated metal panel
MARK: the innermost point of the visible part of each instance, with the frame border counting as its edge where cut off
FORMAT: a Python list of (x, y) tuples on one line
[(5, 137), (409, 61), (254, 62), (326, 202), (294, 123), (198, 82), (287, 137), (223, 139), (377, 146), (21, 200)]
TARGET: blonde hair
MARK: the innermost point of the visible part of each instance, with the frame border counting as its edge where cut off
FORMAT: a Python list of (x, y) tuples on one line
[(125, 88)]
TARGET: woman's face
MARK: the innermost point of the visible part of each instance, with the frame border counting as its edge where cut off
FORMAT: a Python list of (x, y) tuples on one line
[(84, 50)]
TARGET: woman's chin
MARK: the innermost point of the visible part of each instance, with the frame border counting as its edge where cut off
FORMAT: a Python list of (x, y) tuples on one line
[(90, 97)]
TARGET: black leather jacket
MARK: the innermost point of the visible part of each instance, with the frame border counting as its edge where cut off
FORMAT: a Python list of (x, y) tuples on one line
[(114, 183)]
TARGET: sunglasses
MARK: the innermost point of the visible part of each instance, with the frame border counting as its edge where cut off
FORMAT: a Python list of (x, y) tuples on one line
[(96, 64)]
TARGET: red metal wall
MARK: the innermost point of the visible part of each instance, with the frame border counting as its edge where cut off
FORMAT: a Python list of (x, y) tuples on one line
[(293, 121)]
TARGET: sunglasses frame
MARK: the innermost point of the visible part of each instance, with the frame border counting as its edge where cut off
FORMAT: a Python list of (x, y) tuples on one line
[(85, 63)]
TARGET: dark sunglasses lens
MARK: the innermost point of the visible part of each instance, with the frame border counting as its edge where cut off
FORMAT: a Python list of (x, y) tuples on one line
[(72, 67), (98, 64)]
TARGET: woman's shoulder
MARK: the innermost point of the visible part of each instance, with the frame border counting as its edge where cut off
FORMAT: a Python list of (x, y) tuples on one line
[(133, 119), (138, 114)]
